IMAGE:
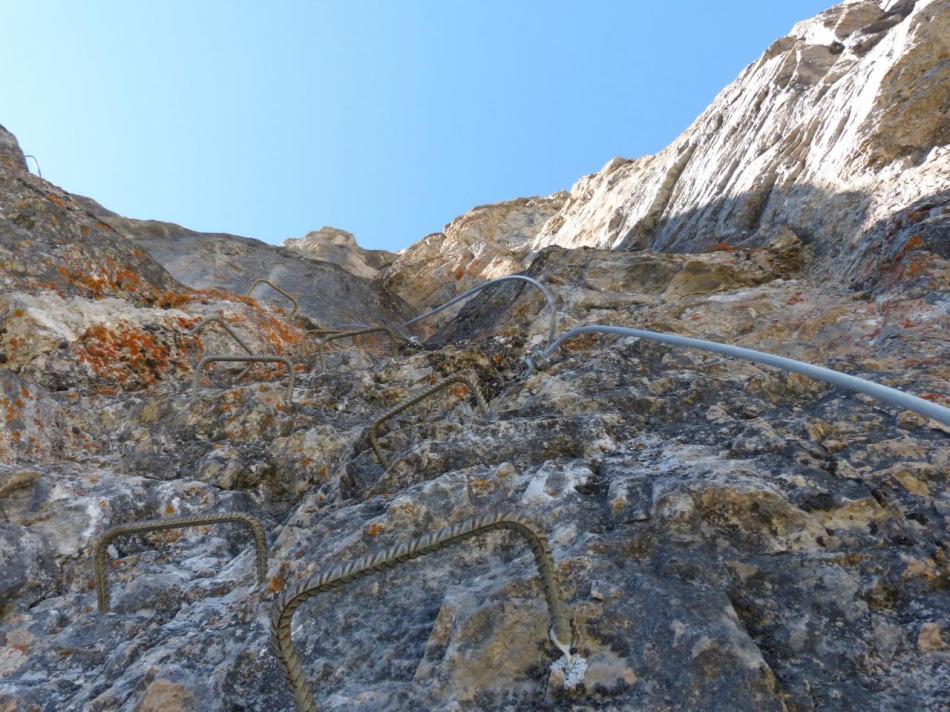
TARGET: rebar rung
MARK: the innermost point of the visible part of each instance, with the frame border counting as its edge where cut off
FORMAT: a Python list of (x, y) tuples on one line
[(151, 525), (441, 385), (289, 395), (284, 608), (273, 286)]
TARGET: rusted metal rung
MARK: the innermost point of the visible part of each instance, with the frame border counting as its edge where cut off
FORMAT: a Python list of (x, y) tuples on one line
[(289, 396), (195, 330), (393, 338), (151, 525), (562, 631), (273, 286), (441, 385)]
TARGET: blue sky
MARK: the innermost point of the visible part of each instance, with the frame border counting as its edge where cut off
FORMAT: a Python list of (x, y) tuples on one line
[(387, 119)]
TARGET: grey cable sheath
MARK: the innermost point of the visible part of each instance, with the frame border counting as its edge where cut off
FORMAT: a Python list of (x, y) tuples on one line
[(552, 329), (835, 378)]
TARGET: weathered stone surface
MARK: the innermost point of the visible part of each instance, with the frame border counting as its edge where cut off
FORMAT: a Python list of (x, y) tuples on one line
[(10, 153)]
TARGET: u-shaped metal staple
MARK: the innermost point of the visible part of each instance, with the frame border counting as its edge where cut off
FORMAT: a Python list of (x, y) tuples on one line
[(273, 286), (441, 385), (288, 397), (393, 337), (195, 330), (151, 525), (561, 632)]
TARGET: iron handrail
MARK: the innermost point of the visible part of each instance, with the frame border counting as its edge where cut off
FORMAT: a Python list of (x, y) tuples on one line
[(552, 329), (886, 394), (441, 385), (561, 628), (273, 286), (289, 396), (150, 525)]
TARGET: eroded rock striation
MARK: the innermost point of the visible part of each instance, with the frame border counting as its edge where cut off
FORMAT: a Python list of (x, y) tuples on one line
[(727, 536)]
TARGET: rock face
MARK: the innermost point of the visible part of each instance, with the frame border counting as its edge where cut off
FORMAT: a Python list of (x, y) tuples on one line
[(835, 129), (328, 244), (727, 536), (329, 294)]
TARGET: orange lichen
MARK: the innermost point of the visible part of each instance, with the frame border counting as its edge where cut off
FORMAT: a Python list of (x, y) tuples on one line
[(128, 355), (172, 300), (914, 243), (459, 390), (56, 200), (374, 530)]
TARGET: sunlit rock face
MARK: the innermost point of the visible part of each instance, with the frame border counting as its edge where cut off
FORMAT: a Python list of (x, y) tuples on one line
[(727, 536), (329, 293), (329, 244), (836, 128)]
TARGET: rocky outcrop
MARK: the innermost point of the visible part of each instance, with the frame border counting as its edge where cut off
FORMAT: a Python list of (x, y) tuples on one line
[(836, 128), (339, 247), (487, 242), (328, 293)]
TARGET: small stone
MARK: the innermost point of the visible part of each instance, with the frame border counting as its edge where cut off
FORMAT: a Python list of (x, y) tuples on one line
[(930, 639), (165, 696)]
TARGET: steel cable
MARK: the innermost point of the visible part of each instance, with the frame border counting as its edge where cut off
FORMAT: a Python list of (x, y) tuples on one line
[(552, 328), (150, 525), (561, 632), (836, 378)]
